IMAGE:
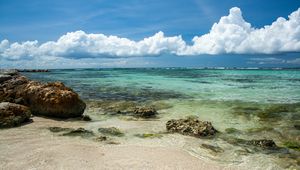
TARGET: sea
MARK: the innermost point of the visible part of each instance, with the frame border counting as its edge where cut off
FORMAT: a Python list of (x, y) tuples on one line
[(242, 104)]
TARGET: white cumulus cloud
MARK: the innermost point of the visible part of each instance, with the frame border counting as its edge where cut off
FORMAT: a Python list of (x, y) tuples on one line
[(231, 35)]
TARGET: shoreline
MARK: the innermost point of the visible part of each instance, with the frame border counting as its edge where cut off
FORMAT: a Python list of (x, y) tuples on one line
[(33, 146)]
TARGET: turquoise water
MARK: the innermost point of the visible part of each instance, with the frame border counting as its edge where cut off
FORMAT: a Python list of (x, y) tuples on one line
[(243, 104), (265, 86)]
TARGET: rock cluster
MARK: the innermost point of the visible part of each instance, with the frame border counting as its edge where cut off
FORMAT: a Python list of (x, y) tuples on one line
[(191, 127), (47, 99)]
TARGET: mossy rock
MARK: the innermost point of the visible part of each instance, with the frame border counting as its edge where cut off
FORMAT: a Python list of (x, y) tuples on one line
[(215, 149), (79, 132), (232, 130), (59, 129), (245, 110), (112, 131), (274, 111), (261, 129), (292, 145), (149, 135)]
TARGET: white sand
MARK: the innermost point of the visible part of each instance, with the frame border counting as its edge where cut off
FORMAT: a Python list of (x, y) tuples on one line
[(32, 146)]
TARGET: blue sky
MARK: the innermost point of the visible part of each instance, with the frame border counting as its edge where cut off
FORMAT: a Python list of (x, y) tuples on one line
[(48, 20)]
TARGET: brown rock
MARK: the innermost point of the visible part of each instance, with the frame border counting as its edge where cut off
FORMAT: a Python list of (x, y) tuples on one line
[(145, 112), (12, 115), (52, 99), (191, 127), (10, 88)]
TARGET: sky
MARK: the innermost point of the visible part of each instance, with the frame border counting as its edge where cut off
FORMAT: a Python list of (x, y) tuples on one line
[(149, 33)]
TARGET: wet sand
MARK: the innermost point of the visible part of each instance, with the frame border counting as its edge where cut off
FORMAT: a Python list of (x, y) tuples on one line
[(33, 146)]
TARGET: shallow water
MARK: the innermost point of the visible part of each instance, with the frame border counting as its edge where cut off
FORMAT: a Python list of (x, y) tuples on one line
[(258, 104)]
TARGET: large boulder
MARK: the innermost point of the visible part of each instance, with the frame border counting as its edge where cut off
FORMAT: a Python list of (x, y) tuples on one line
[(52, 99), (12, 115), (192, 127), (9, 89)]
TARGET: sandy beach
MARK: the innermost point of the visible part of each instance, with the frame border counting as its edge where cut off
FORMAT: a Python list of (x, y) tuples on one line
[(32, 146)]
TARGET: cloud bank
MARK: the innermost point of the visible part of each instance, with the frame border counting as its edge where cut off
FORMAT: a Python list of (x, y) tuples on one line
[(231, 35)]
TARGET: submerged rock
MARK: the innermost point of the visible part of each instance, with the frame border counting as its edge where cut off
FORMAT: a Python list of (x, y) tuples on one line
[(12, 115), (52, 99), (260, 143), (215, 149), (232, 130), (192, 127), (86, 118), (79, 132), (101, 138), (111, 131), (292, 145), (149, 135), (59, 129), (263, 143), (145, 112), (297, 127)]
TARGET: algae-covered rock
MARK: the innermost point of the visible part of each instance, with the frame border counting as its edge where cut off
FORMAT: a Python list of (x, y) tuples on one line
[(101, 138), (292, 145), (263, 143), (59, 129), (149, 135), (261, 129), (12, 114), (257, 143), (191, 127), (215, 149), (232, 130), (113, 131), (145, 112), (79, 132)]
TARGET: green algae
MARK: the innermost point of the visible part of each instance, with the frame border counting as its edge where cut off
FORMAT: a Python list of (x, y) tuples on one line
[(215, 149), (59, 129), (79, 132), (261, 129), (292, 145), (149, 135), (112, 131), (232, 130)]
